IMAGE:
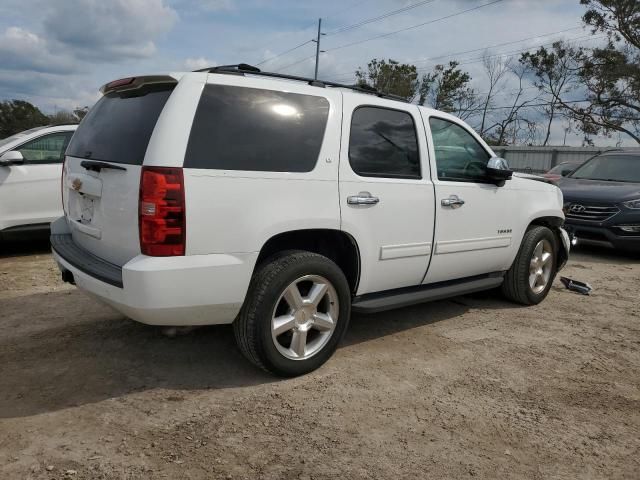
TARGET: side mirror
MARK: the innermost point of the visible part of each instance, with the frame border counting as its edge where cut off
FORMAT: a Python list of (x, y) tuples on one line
[(12, 157), (498, 170), (566, 172)]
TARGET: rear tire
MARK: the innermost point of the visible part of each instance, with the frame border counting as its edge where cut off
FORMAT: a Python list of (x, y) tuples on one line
[(296, 312), (530, 277)]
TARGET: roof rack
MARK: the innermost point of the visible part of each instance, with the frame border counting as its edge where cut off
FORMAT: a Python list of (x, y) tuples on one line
[(243, 68)]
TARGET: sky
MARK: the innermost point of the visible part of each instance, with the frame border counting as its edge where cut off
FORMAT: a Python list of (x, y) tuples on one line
[(56, 54)]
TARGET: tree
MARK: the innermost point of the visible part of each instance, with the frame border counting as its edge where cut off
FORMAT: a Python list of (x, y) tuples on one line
[(555, 72), (63, 117), (18, 115), (496, 69), (447, 89), (390, 76), (80, 112), (597, 89), (511, 126)]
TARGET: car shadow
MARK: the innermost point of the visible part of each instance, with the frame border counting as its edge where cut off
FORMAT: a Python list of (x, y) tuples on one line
[(73, 351), (24, 245), (603, 255)]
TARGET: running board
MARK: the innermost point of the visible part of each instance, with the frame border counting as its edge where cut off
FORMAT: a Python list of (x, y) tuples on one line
[(403, 297)]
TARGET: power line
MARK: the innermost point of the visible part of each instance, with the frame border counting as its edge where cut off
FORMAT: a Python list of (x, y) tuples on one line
[(510, 53), (295, 63), (449, 55), (384, 35), (388, 14), (284, 53)]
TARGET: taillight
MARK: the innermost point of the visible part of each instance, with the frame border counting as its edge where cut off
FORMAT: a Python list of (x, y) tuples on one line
[(162, 212)]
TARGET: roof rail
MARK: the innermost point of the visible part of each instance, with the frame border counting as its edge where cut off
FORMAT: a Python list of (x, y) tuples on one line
[(243, 68)]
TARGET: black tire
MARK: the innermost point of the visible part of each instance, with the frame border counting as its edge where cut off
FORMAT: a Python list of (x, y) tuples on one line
[(516, 281), (252, 328)]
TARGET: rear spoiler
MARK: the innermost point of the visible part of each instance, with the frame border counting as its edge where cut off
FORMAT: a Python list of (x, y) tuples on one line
[(133, 83)]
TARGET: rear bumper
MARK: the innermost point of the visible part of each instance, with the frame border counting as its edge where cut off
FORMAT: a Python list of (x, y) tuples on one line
[(189, 290)]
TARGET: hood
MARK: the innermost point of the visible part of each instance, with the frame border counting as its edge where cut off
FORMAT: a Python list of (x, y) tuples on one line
[(598, 190), (535, 178)]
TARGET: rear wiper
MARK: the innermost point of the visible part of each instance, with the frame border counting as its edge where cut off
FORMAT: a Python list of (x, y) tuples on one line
[(96, 166)]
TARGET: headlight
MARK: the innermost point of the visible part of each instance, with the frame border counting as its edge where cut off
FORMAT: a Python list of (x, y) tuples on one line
[(634, 204)]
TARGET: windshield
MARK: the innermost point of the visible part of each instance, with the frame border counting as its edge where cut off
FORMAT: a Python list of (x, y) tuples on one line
[(613, 168), (17, 136)]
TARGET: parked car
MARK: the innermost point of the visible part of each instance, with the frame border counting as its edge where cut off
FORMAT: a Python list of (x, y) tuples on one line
[(30, 170), (561, 170), (280, 205), (602, 200)]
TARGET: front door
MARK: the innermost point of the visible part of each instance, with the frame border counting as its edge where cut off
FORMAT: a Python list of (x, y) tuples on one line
[(386, 195), (474, 217)]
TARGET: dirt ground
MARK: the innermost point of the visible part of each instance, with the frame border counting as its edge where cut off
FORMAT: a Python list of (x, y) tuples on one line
[(469, 387)]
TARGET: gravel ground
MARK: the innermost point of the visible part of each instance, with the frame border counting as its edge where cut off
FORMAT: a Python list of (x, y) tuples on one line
[(469, 387)]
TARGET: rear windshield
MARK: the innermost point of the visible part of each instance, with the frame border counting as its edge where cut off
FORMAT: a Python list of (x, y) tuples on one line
[(119, 126), (239, 128)]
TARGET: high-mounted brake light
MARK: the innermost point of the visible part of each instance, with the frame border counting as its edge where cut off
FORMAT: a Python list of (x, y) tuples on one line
[(120, 83), (162, 212)]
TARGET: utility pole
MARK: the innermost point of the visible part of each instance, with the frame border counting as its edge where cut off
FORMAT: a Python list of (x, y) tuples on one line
[(318, 47)]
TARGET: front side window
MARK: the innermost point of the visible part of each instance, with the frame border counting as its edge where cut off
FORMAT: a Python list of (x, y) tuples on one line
[(459, 156), (45, 149), (383, 143), (239, 128)]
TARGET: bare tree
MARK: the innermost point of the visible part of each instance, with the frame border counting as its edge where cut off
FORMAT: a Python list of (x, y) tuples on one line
[(510, 124), (555, 73), (496, 69)]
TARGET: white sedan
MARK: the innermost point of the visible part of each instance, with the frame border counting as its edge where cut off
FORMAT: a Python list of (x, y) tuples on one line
[(30, 172)]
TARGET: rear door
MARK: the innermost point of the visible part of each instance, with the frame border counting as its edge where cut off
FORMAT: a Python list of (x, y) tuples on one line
[(102, 170), (386, 194)]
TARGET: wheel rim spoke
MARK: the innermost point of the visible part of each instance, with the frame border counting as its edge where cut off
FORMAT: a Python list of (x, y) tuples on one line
[(317, 293), (292, 297), (299, 342), (546, 258), (322, 321), (283, 324)]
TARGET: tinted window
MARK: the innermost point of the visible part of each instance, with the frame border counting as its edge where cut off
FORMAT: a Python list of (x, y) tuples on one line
[(383, 143), (45, 149), (617, 168), (118, 128), (237, 128), (459, 156)]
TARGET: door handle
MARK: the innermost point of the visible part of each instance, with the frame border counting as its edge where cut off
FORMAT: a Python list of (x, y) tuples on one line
[(363, 198), (453, 201)]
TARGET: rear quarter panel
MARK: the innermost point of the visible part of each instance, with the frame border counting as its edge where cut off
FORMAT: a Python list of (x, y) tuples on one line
[(237, 211)]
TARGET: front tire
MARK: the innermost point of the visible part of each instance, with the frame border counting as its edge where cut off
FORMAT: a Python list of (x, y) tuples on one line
[(529, 279), (295, 313)]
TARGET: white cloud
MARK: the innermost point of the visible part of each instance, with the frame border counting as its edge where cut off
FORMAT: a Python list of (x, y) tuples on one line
[(198, 63), (99, 30), (23, 50)]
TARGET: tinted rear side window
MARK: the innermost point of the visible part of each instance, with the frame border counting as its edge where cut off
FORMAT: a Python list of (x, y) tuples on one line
[(237, 128), (383, 143), (119, 126)]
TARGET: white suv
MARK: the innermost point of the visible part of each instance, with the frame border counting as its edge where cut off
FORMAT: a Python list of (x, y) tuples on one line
[(282, 204)]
